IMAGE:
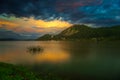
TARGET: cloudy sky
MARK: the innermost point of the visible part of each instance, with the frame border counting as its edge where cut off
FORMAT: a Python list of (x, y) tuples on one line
[(52, 16)]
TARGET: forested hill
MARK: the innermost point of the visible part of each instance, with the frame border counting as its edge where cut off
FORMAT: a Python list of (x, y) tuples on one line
[(76, 32)]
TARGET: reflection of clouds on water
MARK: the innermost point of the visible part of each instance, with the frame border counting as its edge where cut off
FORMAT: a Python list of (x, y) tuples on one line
[(66, 57), (51, 52), (52, 57), (16, 57)]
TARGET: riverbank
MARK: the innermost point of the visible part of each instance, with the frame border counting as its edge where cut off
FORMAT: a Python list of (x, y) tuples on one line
[(12, 72), (16, 72)]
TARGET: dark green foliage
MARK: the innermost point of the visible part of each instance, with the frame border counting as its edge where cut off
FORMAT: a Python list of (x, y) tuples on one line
[(15, 72), (45, 37), (84, 32), (77, 32), (11, 72)]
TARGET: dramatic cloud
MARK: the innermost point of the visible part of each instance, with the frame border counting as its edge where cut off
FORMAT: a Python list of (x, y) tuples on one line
[(52, 16), (5, 23), (31, 25), (97, 12)]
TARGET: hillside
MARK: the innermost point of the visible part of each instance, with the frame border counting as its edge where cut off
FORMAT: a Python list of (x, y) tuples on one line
[(9, 35), (76, 32), (46, 37)]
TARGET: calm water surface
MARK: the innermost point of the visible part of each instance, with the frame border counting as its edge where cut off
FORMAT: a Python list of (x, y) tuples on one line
[(66, 57)]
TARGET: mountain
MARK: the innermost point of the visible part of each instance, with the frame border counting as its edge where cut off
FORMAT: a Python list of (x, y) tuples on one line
[(9, 35), (77, 32), (46, 37), (6, 35)]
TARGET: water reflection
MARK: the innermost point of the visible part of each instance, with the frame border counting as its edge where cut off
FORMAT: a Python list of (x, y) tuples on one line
[(76, 58), (52, 57), (32, 52), (54, 54)]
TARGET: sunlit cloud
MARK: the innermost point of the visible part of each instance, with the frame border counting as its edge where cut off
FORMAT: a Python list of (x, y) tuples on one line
[(32, 25), (5, 23)]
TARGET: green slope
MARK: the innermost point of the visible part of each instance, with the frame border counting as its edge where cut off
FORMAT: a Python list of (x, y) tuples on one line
[(84, 32), (46, 37)]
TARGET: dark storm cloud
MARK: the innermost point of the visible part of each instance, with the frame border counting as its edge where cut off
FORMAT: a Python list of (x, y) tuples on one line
[(24, 7), (98, 12)]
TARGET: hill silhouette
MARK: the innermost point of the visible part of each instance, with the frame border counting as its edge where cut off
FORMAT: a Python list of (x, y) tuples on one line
[(77, 32)]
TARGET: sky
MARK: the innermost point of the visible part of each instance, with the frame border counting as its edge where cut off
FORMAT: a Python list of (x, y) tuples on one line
[(35, 17)]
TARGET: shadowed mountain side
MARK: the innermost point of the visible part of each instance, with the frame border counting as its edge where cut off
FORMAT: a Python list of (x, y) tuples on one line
[(9, 35), (46, 37), (77, 32)]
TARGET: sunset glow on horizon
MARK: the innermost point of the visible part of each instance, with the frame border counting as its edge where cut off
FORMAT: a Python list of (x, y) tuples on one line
[(38, 17), (32, 25)]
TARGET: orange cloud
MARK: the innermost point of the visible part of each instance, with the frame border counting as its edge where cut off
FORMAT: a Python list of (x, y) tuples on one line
[(7, 23), (33, 25), (54, 23)]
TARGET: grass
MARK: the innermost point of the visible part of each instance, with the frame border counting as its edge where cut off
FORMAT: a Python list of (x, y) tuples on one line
[(14, 72)]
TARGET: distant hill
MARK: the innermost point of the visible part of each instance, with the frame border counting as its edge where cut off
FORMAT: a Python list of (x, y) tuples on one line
[(46, 37), (77, 32), (9, 35), (9, 39)]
